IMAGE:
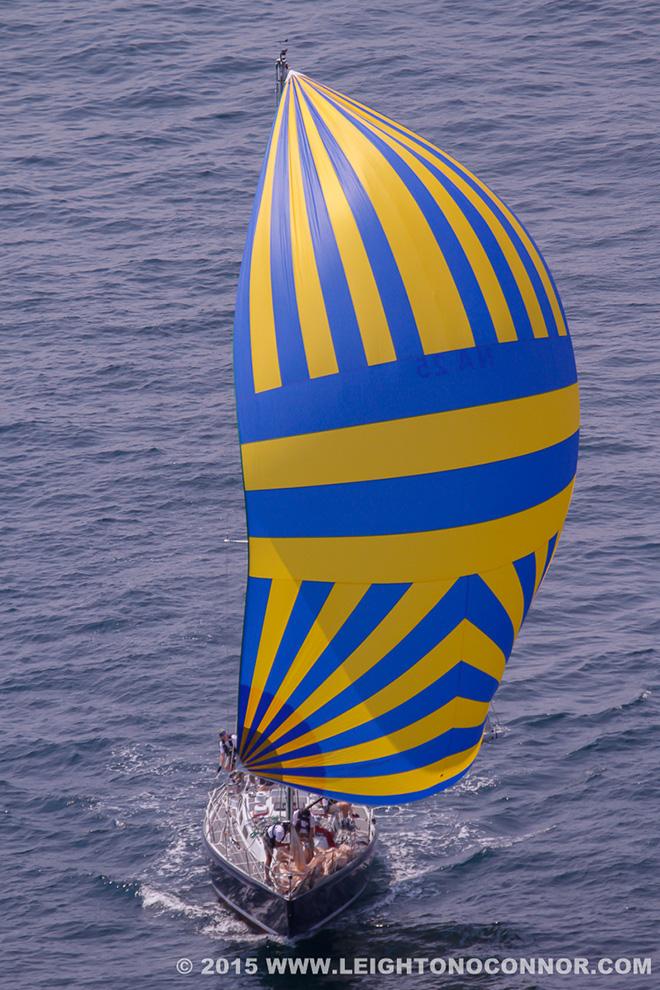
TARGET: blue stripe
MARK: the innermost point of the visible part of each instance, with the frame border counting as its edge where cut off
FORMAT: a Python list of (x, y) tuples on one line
[(450, 742), (290, 350), (486, 612), (548, 556), (433, 383), (546, 268), (309, 601), (243, 378), (257, 593), (462, 681), (370, 611), (343, 322), (440, 500), (466, 281), (391, 288), (526, 571), (487, 198)]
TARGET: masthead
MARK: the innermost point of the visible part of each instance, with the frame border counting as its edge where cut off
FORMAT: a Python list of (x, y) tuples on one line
[(281, 72)]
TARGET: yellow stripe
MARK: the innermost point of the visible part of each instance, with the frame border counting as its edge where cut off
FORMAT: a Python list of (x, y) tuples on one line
[(459, 713), (281, 600), (317, 339), (480, 651), (465, 642), (403, 617), (265, 361), (527, 291), (411, 556), (339, 604), (374, 330), (406, 782), (439, 312), (416, 445), (477, 257), (505, 585)]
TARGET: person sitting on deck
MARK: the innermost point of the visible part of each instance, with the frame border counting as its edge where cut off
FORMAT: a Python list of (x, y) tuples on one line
[(326, 833), (275, 837), (227, 745), (343, 809)]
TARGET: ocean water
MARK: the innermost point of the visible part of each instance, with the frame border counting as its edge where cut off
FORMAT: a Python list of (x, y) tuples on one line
[(132, 136)]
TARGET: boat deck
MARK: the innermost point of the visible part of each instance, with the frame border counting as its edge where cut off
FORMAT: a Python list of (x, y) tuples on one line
[(242, 807)]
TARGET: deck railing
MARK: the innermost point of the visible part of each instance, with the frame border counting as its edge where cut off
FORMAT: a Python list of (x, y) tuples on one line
[(219, 826)]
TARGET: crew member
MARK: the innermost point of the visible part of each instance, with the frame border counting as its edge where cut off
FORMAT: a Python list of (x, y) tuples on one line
[(330, 806), (227, 744)]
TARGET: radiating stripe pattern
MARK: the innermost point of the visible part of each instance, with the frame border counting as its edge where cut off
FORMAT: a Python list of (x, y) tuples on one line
[(408, 413)]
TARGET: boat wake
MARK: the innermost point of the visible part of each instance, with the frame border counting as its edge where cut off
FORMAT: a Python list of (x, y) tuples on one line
[(175, 881), (209, 918)]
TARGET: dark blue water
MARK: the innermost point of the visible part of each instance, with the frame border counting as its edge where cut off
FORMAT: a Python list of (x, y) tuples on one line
[(132, 135)]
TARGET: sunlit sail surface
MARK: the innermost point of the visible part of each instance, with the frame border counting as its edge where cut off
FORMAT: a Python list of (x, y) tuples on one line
[(408, 415)]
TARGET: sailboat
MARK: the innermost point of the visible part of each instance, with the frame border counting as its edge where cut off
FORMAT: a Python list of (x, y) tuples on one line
[(408, 416)]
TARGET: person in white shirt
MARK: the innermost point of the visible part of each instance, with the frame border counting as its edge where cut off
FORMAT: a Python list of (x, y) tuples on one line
[(275, 837)]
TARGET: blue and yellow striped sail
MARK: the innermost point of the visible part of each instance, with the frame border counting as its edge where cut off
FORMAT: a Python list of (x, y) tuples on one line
[(408, 415)]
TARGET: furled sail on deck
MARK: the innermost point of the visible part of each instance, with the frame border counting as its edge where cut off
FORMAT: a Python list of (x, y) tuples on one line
[(408, 415)]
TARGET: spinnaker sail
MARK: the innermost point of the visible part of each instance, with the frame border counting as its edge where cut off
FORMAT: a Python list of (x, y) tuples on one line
[(408, 416)]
